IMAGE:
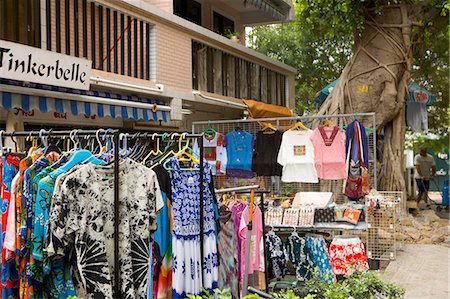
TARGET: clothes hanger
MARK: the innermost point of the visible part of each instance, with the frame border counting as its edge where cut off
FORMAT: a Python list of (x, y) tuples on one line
[(16, 152), (268, 126), (271, 231), (328, 123), (79, 156), (153, 152), (48, 148), (299, 125), (210, 131), (169, 153), (184, 151), (294, 233)]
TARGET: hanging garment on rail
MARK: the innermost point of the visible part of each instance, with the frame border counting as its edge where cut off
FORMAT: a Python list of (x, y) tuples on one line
[(239, 145), (276, 255), (347, 255), (214, 153), (188, 268), (237, 208), (318, 254), (297, 157), (329, 153), (228, 255), (255, 241), (295, 248), (267, 146), (9, 274), (162, 273), (87, 194)]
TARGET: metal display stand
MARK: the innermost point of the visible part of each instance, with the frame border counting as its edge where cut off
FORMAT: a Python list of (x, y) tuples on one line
[(276, 186), (116, 138)]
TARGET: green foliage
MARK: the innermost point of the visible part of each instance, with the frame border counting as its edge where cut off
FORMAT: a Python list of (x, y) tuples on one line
[(437, 143), (357, 285), (320, 40)]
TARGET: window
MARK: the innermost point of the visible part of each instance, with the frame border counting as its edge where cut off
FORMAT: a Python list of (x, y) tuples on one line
[(20, 21), (188, 9), (218, 72), (222, 25)]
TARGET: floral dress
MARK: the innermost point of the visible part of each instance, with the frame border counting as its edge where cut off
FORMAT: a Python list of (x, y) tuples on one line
[(188, 267)]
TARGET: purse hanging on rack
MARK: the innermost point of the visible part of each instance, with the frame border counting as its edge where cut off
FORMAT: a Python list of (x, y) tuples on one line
[(357, 187)]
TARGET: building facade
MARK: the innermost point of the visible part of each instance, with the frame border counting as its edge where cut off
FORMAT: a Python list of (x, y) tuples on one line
[(148, 64)]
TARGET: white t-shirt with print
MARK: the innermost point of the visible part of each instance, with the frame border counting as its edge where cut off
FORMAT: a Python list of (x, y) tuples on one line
[(296, 155)]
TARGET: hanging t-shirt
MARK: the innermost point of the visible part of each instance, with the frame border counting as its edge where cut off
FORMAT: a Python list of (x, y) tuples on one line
[(83, 218), (255, 241), (297, 157), (329, 153), (239, 146), (417, 116), (214, 153), (267, 146)]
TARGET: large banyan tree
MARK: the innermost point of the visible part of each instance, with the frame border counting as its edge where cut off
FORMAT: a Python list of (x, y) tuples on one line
[(379, 42)]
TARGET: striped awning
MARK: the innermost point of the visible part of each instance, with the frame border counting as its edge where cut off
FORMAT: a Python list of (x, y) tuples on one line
[(47, 98), (268, 7)]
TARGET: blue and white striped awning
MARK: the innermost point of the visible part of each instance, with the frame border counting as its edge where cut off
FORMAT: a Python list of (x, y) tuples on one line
[(80, 102)]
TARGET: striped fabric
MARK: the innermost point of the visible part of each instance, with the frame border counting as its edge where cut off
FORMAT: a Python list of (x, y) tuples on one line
[(47, 104)]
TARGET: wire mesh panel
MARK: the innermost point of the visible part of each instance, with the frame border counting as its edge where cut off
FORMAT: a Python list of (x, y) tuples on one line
[(275, 184), (381, 243)]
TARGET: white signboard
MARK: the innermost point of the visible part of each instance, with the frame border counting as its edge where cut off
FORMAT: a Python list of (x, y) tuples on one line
[(24, 63)]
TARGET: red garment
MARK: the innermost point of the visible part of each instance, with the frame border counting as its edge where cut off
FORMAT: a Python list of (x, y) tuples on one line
[(347, 255)]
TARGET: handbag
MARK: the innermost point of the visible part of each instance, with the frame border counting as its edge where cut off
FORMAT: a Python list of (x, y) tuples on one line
[(354, 188), (357, 187)]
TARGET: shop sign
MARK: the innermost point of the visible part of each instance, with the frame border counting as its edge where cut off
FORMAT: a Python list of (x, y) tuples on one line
[(24, 63)]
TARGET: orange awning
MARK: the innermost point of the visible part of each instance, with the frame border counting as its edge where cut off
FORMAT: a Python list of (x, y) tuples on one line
[(263, 110)]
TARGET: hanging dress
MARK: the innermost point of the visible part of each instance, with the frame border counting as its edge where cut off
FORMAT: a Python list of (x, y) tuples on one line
[(187, 265)]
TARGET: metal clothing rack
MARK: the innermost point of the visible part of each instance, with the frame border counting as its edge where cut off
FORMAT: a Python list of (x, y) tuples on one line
[(116, 138), (254, 125)]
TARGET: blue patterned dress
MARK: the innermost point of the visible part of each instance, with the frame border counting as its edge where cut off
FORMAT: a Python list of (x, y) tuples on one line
[(187, 268)]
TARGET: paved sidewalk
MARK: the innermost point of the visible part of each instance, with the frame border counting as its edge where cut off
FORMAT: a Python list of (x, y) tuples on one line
[(423, 270)]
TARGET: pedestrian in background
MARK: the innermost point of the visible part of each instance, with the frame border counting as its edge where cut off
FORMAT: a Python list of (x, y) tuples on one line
[(424, 171)]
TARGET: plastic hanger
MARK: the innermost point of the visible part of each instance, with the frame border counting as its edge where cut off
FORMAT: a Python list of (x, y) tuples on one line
[(269, 126), (184, 151), (271, 232), (328, 123), (79, 156), (299, 125), (48, 148), (153, 152), (294, 233), (171, 152), (209, 130)]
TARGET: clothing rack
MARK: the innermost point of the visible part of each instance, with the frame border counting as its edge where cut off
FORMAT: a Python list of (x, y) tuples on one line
[(254, 125), (116, 141)]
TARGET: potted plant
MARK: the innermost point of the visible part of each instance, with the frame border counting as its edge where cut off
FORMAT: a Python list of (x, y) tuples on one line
[(234, 36)]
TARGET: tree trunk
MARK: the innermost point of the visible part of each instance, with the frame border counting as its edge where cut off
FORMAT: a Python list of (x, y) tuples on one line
[(375, 80)]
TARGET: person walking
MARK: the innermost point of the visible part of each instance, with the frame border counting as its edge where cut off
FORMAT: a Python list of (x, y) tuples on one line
[(425, 169)]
